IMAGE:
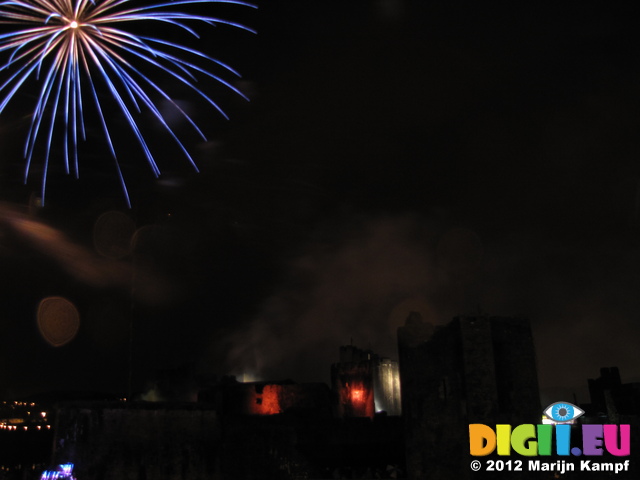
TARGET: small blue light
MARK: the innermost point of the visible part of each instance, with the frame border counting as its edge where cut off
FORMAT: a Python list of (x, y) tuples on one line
[(64, 471)]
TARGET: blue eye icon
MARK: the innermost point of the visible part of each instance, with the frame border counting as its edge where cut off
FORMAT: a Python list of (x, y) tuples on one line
[(563, 412)]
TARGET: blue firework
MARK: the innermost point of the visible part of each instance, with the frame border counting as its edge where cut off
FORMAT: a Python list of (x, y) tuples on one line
[(76, 48)]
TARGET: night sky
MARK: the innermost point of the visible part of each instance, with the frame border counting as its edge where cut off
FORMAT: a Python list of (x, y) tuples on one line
[(442, 157)]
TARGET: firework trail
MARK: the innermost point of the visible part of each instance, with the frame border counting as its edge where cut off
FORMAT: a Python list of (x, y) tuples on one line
[(76, 49)]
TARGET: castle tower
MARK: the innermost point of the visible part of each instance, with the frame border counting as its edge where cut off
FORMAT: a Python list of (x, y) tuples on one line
[(472, 370)]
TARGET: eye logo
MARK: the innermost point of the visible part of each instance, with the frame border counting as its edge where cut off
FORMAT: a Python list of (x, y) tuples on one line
[(563, 412)]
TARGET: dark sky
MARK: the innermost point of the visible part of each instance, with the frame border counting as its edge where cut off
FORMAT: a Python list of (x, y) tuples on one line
[(445, 157)]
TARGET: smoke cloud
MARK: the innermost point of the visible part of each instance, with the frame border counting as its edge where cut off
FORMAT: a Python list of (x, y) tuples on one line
[(357, 284), (359, 281)]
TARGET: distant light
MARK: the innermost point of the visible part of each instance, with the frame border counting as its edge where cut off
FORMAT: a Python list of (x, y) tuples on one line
[(67, 468), (63, 472), (247, 377), (73, 24), (357, 395)]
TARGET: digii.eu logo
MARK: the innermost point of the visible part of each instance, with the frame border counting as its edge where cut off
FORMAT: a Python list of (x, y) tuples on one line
[(533, 440)]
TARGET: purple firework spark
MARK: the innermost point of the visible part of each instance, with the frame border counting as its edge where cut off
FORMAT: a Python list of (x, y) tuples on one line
[(70, 46)]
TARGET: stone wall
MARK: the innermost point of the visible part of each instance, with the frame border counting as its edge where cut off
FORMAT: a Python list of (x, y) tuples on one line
[(138, 441)]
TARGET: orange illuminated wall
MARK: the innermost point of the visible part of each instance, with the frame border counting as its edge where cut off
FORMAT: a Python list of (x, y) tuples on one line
[(269, 398), (356, 398), (264, 400), (353, 383)]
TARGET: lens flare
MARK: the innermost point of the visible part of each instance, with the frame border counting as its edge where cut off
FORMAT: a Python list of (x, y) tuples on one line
[(80, 54), (58, 320)]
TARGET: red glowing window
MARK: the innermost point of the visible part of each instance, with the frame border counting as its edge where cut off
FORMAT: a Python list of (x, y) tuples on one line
[(357, 395)]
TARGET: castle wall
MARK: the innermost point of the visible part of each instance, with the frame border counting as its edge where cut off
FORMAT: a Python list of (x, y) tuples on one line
[(118, 441)]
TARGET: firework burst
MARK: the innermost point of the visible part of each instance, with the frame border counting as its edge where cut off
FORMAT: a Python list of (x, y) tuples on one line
[(80, 54)]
